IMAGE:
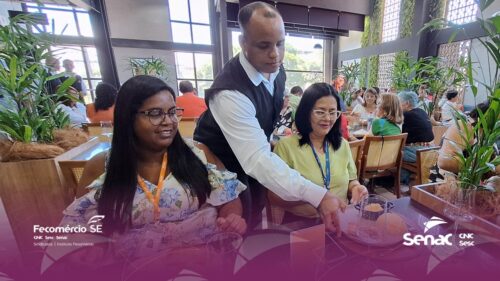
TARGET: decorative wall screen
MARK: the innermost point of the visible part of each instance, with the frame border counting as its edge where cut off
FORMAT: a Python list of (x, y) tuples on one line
[(451, 53), (385, 67), (390, 25), (461, 11)]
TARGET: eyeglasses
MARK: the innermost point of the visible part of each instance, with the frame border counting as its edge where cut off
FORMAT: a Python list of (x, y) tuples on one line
[(333, 114), (157, 116)]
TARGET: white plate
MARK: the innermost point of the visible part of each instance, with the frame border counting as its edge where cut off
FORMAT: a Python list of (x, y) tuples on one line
[(365, 231)]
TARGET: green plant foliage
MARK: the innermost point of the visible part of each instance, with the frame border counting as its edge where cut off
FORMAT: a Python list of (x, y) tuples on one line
[(437, 8), (23, 80), (372, 34), (149, 66), (351, 73), (365, 37), (363, 72), (479, 157), (376, 23), (403, 72), (407, 13), (373, 75), (409, 74)]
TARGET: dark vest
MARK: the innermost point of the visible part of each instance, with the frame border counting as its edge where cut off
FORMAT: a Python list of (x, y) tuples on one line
[(267, 107)]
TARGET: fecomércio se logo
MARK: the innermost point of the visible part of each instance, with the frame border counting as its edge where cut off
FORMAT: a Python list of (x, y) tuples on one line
[(45, 235), (464, 239)]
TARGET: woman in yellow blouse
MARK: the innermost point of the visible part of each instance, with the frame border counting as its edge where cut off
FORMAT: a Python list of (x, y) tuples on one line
[(319, 152)]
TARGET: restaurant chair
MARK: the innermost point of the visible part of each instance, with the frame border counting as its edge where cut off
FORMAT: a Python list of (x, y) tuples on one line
[(357, 152), (72, 172), (95, 129), (382, 156), (426, 159), (438, 132), (186, 126), (274, 213)]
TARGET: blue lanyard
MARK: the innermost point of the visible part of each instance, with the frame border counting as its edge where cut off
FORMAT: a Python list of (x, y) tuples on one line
[(326, 179)]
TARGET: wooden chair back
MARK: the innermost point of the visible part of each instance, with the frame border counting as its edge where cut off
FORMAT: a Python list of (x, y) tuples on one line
[(426, 159), (357, 152), (186, 126), (382, 155), (382, 152), (438, 132), (96, 129)]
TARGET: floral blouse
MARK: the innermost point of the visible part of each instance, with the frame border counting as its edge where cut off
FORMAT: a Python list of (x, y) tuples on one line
[(182, 222)]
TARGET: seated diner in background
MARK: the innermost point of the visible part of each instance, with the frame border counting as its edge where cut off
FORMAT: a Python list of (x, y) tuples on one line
[(450, 108), (390, 116), (419, 128), (74, 108), (367, 109), (319, 152), (453, 142), (152, 186), (104, 106)]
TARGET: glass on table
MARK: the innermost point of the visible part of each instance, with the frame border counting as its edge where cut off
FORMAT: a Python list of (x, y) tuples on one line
[(107, 129), (222, 250)]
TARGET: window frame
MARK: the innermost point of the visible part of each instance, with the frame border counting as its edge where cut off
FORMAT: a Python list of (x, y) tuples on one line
[(472, 18), (195, 78), (81, 42), (383, 38), (26, 6), (190, 23)]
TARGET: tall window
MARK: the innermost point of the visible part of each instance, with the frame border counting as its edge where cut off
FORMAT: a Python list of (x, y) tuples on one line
[(303, 60), (190, 21), (195, 67), (70, 21), (86, 65), (63, 20), (461, 11), (390, 25)]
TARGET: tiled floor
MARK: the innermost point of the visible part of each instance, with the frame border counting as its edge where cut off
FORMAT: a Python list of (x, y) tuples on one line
[(388, 194)]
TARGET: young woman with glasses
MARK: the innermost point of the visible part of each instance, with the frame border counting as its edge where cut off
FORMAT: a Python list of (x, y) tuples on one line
[(156, 190)]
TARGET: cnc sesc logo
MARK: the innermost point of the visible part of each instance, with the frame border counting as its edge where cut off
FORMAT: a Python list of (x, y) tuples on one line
[(428, 240)]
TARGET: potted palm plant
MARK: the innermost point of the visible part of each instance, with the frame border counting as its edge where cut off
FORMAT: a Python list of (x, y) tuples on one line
[(149, 66), (32, 191), (479, 158), (351, 72), (410, 74)]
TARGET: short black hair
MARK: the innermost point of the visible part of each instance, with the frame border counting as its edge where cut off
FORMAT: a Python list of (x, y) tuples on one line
[(483, 107), (246, 13), (105, 96), (377, 89), (185, 87), (303, 115), (296, 90), (451, 94)]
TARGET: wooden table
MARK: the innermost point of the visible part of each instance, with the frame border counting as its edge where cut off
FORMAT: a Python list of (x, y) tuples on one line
[(349, 260)]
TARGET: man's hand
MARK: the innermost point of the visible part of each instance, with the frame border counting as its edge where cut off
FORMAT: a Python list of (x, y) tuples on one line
[(232, 223), (328, 209)]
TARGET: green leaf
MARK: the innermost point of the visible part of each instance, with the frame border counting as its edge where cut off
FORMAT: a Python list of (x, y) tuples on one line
[(11, 132), (483, 4), (28, 134)]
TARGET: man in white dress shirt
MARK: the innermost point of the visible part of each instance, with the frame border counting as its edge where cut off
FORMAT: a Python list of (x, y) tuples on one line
[(243, 105)]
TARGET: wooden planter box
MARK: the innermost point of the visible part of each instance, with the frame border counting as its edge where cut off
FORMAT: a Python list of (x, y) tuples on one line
[(425, 195), (34, 192)]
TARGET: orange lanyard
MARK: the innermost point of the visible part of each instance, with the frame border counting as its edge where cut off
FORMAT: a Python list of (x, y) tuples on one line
[(156, 199)]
